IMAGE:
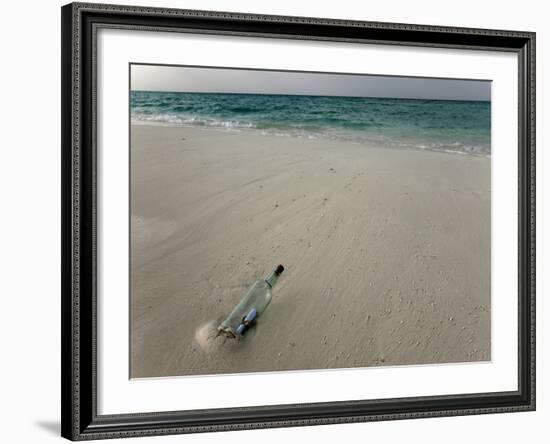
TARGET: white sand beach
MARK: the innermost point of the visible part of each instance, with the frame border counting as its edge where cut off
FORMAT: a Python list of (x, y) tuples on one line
[(386, 252)]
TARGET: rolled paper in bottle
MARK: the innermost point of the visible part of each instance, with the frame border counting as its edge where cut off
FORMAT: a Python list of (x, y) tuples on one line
[(250, 316), (247, 321)]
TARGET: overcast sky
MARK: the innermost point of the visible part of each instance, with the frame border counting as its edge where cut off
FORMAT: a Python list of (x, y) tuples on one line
[(188, 79)]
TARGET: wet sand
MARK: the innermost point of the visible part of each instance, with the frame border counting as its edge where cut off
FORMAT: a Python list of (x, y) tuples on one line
[(386, 252)]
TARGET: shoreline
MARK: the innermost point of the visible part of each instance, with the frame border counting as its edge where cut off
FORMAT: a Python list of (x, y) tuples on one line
[(258, 131), (386, 252)]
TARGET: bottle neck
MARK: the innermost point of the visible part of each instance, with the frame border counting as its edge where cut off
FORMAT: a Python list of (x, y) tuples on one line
[(272, 278)]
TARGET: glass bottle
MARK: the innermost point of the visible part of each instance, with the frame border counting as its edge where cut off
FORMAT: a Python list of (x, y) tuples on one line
[(251, 306)]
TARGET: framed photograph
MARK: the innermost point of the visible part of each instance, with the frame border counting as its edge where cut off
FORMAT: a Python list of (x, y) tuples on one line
[(278, 221)]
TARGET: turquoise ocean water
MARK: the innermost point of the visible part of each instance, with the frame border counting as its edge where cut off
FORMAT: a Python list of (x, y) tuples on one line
[(440, 125)]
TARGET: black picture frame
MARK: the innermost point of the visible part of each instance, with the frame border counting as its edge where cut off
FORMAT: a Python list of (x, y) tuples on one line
[(78, 333)]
